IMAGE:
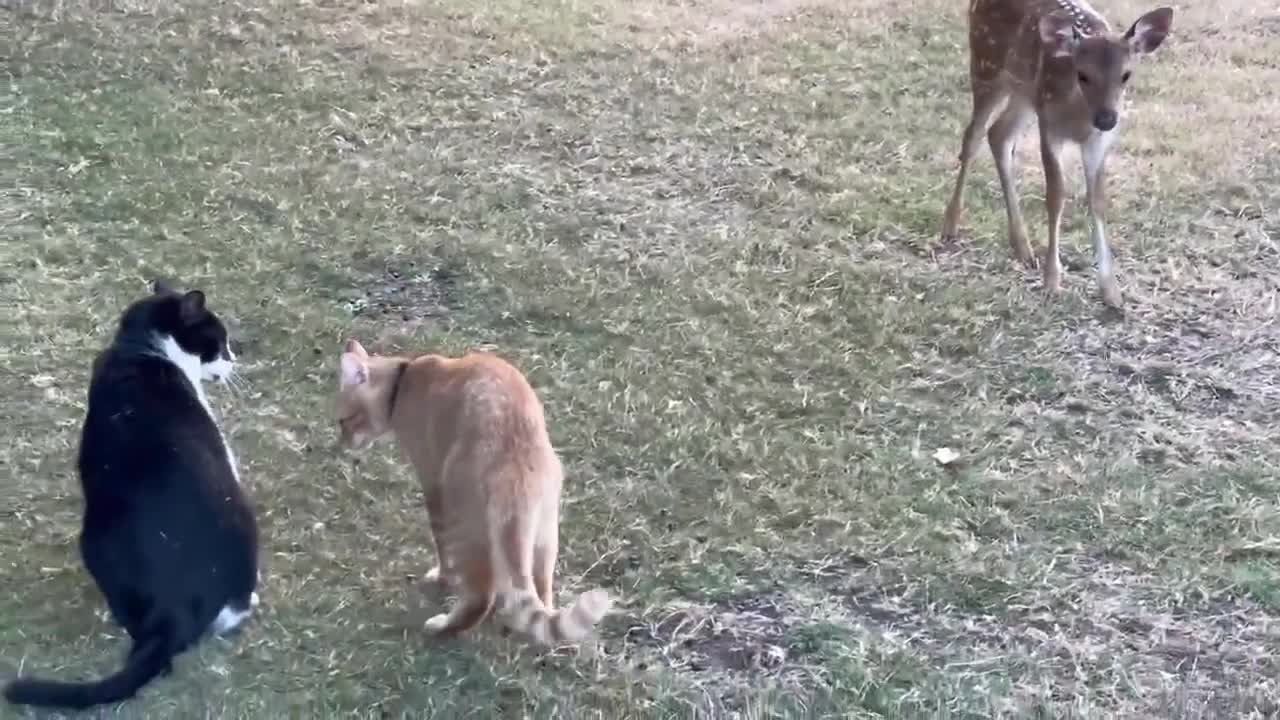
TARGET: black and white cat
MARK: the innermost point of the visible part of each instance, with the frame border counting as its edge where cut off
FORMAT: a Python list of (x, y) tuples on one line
[(168, 535)]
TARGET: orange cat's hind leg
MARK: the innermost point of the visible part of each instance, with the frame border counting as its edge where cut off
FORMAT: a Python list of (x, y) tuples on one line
[(474, 587), (544, 565), (517, 545)]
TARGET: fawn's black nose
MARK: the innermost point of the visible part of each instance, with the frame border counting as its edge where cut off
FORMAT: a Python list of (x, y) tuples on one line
[(1105, 120)]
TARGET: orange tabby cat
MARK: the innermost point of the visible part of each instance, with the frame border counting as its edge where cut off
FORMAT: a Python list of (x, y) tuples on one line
[(474, 430)]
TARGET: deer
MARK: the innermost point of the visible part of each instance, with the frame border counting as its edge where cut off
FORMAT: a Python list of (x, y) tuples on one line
[(1060, 62)]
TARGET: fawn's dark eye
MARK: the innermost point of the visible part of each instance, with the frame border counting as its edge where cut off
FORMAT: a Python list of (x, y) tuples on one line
[(1125, 77), (1084, 79)]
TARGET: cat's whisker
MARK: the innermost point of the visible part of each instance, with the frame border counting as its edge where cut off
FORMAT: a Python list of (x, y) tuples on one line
[(238, 384)]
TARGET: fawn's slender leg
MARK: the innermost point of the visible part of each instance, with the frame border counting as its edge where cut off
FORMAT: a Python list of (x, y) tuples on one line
[(1055, 198), (1093, 155), (987, 101), (1003, 139)]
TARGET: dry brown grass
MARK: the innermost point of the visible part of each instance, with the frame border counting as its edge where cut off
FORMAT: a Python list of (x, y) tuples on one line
[(707, 23), (707, 230)]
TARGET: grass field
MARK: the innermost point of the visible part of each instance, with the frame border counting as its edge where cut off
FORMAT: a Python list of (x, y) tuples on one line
[(707, 230)]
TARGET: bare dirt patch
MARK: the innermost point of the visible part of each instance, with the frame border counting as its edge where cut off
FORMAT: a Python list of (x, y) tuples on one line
[(1099, 631), (404, 292), (741, 639), (1195, 358), (1103, 626)]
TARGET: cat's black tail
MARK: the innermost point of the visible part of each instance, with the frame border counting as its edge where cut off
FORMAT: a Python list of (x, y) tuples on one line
[(148, 660)]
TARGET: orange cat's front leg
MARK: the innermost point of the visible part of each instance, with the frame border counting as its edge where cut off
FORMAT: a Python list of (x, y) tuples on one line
[(475, 589), (442, 572)]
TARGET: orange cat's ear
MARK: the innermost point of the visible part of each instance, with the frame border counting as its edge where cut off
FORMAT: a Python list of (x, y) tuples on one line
[(356, 349), (354, 370)]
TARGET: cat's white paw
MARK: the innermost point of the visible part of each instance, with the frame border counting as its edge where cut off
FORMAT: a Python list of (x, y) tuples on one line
[(437, 623), (253, 600), (229, 619), (433, 575)]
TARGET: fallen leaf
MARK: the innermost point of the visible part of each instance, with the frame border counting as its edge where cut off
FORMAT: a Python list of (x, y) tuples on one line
[(945, 456)]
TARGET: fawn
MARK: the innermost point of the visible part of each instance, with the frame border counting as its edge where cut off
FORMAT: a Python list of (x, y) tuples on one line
[(1059, 61)]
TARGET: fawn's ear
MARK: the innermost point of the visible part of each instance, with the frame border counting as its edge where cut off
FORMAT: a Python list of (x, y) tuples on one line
[(355, 348), (1149, 31), (354, 371), (1059, 34)]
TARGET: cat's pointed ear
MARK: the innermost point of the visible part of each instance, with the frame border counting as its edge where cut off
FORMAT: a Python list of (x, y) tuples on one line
[(355, 348), (354, 370), (191, 307)]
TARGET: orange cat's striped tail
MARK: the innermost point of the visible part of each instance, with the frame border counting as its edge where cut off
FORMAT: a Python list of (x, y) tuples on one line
[(525, 613)]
